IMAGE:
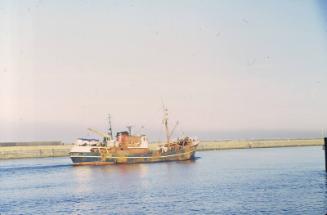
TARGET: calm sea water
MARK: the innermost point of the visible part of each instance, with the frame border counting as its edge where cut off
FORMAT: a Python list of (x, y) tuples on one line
[(254, 181)]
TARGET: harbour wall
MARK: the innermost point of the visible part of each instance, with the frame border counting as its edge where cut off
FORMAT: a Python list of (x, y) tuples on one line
[(248, 144), (39, 151), (34, 143), (13, 152)]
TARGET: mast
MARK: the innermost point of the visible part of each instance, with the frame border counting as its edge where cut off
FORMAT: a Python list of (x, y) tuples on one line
[(129, 127), (165, 122), (110, 128)]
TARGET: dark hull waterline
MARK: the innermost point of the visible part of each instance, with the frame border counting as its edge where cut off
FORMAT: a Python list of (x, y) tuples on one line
[(86, 159)]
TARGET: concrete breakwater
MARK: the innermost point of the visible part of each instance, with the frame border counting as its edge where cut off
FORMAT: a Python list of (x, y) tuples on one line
[(13, 152), (33, 143), (248, 144)]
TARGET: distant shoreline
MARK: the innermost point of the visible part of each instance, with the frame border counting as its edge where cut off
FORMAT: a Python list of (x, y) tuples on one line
[(41, 151)]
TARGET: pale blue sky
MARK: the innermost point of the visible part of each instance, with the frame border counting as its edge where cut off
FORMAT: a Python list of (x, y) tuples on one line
[(225, 69)]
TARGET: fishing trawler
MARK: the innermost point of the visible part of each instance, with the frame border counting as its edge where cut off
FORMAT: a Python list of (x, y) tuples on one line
[(128, 148)]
